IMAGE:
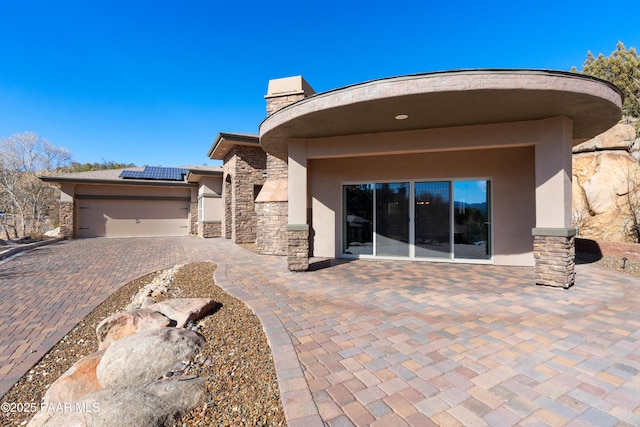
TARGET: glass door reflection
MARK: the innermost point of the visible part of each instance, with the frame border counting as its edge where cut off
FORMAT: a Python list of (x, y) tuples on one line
[(472, 227), (392, 219), (432, 219)]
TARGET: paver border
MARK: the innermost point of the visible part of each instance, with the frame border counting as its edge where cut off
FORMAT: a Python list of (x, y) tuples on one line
[(299, 407)]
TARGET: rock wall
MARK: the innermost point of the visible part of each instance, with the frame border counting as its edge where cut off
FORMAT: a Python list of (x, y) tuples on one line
[(271, 238), (66, 217), (606, 179)]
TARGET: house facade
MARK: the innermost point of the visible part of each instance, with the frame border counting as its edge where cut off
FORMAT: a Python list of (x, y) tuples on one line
[(468, 166)]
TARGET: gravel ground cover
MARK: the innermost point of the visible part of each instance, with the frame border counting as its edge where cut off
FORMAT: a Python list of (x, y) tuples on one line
[(241, 379), (618, 256)]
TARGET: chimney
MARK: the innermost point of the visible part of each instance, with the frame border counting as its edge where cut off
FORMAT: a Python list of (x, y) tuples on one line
[(286, 91)]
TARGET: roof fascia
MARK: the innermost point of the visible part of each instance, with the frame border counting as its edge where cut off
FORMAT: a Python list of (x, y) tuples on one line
[(235, 138)]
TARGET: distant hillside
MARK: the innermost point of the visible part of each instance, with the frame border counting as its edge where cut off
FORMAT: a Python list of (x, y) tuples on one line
[(482, 207)]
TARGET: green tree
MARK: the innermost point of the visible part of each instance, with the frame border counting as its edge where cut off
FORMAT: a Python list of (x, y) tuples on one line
[(621, 68), (85, 167)]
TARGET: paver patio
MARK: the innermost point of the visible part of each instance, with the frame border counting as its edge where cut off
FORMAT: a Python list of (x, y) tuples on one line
[(373, 342)]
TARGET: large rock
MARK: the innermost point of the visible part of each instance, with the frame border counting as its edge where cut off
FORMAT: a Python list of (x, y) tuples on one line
[(182, 310), (620, 137), (159, 403), (601, 182), (127, 323), (143, 357), (79, 380)]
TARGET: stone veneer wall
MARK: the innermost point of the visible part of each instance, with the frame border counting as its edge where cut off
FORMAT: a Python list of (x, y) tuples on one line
[(227, 220), (271, 236), (245, 166), (66, 217), (207, 229), (193, 218), (278, 102), (276, 168), (555, 260)]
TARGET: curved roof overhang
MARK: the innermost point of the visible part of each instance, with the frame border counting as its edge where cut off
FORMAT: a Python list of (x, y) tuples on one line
[(447, 99)]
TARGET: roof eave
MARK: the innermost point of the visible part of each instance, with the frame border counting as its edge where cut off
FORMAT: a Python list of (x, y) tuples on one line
[(233, 138)]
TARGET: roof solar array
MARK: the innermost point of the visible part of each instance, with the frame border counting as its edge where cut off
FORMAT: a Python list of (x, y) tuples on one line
[(156, 173)]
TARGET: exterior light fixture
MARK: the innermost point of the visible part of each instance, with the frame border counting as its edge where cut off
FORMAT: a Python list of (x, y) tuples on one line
[(402, 117)]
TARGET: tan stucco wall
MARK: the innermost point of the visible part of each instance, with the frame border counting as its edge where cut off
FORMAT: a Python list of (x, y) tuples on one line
[(67, 192), (511, 171), (210, 192), (138, 191), (213, 209), (210, 185)]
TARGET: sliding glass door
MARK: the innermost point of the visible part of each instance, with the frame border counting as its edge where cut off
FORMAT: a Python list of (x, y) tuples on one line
[(418, 219)]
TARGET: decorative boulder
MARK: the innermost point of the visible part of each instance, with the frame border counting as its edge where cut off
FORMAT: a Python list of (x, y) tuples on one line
[(159, 403), (182, 310), (146, 356), (76, 382), (127, 323)]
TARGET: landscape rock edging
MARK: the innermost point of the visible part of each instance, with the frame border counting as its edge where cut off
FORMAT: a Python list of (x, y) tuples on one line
[(139, 350)]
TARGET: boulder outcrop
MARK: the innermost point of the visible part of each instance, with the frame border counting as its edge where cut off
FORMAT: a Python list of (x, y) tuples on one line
[(605, 174)]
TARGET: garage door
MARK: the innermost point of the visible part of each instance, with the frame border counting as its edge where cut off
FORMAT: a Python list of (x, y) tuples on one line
[(132, 218)]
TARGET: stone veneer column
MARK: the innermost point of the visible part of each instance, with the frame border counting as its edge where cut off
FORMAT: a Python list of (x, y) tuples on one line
[(227, 219), (554, 251), (298, 226), (244, 165), (66, 218), (298, 247), (554, 237), (193, 213)]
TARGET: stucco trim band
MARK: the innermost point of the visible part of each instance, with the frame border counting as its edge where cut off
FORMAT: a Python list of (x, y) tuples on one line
[(297, 227), (554, 232)]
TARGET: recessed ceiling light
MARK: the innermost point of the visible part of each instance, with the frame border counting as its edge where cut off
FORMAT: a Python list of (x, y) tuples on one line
[(401, 117)]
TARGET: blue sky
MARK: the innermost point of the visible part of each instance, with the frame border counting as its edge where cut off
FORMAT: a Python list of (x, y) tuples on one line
[(154, 82)]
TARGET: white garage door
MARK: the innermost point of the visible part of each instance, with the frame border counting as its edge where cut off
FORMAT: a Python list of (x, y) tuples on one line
[(132, 218)]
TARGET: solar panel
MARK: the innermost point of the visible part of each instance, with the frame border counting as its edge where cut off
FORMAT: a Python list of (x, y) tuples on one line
[(156, 173), (130, 174)]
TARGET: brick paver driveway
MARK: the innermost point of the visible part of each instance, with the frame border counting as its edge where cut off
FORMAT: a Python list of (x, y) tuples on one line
[(375, 342)]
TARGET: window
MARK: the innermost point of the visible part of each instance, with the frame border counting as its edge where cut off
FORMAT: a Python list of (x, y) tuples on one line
[(418, 219)]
